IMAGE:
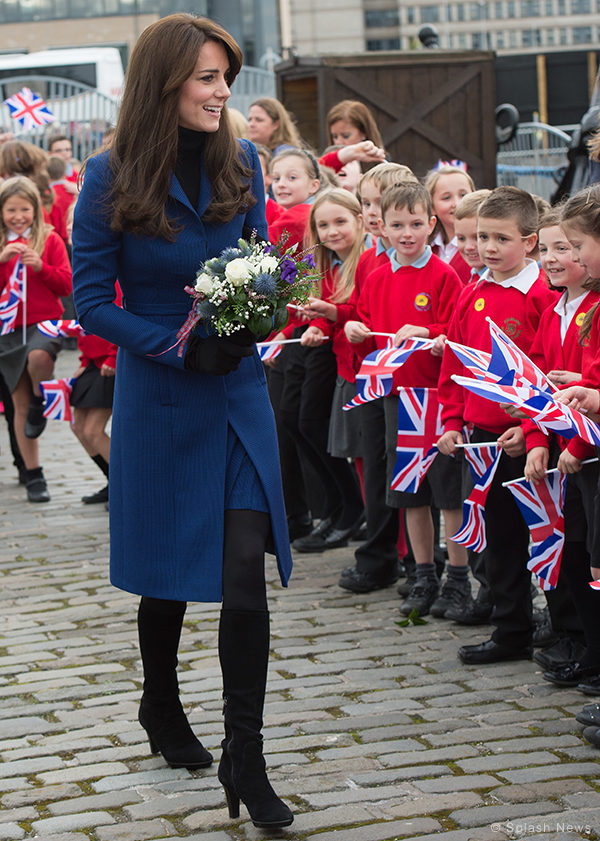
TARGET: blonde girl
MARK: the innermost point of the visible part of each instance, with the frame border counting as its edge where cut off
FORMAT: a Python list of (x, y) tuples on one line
[(310, 381), (25, 236), (447, 186)]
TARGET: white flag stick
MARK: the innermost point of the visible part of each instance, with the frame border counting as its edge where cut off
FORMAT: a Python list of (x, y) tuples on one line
[(387, 335), (474, 446), (552, 470), (288, 342), (24, 299)]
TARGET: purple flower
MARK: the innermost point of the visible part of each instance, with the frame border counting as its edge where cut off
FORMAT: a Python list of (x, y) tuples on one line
[(288, 270), (269, 249), (309, 260)]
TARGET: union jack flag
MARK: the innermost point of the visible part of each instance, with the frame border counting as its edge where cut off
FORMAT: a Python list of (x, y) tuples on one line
[(268, 351), (29, 109), (56, 393), (542, 508), (11, 298), (595, 585), (419, 427), (540, 406), (508, 357), (475, 361), (376, 374), (483, 462), (62, 327)]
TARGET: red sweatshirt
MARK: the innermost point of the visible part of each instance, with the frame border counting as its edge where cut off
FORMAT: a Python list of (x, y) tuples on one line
[(97, 350), (272, 210), (517, 312), (461, 267), (424, 296), (551, 353), (348, 359), (46, 287)]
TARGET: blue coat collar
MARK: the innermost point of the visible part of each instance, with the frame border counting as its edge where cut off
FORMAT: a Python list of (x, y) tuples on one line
[(176, 191)]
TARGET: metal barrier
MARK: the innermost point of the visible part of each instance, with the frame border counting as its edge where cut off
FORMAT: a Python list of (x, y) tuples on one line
[(531, 159), (252, 83)]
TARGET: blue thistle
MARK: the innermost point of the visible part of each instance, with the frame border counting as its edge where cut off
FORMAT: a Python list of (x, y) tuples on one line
[(229, 254), (216, 265), (265, 284), (244, 248), (207, 310)]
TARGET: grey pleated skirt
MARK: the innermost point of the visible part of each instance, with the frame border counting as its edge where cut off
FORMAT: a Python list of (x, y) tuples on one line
[(13, 353), (345, 433)]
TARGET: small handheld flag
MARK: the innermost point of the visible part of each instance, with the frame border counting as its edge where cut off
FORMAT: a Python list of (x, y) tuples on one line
[(29, 109), (483, 461), (11, 298), (419, 427), (62, 327), (56, 394)]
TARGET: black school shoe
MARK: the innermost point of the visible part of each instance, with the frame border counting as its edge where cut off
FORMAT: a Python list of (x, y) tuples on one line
[(455, 594), (421, 597), (492, 652), (590, 686), (366, 582), (589, 715), (299, 526), (474, 612), (571, 674), (592, 734), (314, 540), (35, 422), (35, 484), (559, 653), (94, 499)]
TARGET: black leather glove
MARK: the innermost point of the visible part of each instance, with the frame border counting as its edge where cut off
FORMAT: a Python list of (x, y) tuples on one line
[(216, 355)]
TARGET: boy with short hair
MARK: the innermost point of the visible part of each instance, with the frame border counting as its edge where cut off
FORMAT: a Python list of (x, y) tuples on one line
[(413, 295), (513, 293)]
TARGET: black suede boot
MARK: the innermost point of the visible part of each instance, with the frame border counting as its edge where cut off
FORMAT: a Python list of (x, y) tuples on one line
[(161, 714), (244, 656)]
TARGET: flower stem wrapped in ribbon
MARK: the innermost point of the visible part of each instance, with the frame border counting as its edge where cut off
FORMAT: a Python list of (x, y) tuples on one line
[(250, 286)]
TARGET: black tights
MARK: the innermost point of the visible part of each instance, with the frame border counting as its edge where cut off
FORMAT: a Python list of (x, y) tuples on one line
[(244, 587)]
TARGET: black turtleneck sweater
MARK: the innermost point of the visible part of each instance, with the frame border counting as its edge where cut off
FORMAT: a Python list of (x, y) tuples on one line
[(187, 169)]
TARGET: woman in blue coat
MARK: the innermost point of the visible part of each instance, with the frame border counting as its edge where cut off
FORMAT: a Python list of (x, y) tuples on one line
[(195, 487)]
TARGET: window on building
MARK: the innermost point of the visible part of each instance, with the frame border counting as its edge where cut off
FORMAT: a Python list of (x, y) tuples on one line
[(526, 38), (500, 40), (479, 11), (512, 38), (550, 37), (563, 36), (460, 11), (511, 9), (383, 44), (462, 41), (383, 17), (449, 15), (530, 8), (430, 14), (410, 14), (498, 11), (549, 8), (581, 7), (451, 41), (562, 7), (476, 41), (582, 34)]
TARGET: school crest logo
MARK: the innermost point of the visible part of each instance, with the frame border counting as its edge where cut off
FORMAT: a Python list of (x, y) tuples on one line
[(422, 302), (580, 319), (512, 327), (479, 304)]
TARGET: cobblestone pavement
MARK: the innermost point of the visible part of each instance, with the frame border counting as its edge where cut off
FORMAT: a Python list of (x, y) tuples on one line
[(373, 731)]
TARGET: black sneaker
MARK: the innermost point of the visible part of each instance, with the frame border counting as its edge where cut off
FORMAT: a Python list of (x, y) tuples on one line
[(405, 587), (589, 715), (365, 582), (473, 613), (421, 597), (315, 539), (37, 490), (454, 593), (35, 422), (560, 652)]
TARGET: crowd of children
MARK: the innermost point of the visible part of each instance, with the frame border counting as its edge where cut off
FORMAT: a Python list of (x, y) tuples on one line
[(399, 260)]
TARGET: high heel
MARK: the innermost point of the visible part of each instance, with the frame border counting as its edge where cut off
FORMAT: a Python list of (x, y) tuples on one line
[(170, 734), (233, 802)]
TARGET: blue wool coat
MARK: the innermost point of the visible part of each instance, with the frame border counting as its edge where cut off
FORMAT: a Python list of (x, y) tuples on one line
[(169, 431)]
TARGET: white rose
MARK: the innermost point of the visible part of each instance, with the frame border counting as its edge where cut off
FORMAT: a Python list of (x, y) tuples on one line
[(268, 264), (238, 271), (205, 283)]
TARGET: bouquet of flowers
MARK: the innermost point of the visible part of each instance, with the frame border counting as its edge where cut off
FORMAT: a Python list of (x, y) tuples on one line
[(251, 286)]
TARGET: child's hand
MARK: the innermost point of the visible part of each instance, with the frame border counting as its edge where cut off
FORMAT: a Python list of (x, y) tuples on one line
[(79, 371), (536, 465), (365, 151), (563, 377), (11, 250), (318, 308), (513, 441), (271, 363), (448, 441), (567, 463), (71, 187), (438, 348), (31, 258), (583, 399), (513, 411), (313, 337), (107, 371), (410, 331), (356, 332)]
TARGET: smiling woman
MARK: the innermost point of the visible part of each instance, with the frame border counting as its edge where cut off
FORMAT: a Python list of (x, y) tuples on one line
[(195, 487)]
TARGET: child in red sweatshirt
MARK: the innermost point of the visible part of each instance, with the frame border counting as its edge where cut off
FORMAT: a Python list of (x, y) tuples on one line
[(513, 293)]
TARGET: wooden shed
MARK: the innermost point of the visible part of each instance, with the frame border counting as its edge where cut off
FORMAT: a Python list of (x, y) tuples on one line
[(428, 104)]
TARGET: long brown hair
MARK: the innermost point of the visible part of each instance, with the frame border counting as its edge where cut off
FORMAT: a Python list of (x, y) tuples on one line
[(358, 115), (286, 132), (23, 187), (344, 282), (144, 151)]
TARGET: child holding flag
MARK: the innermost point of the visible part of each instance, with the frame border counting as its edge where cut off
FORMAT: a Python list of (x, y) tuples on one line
[(513, 294), (34, 274)]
